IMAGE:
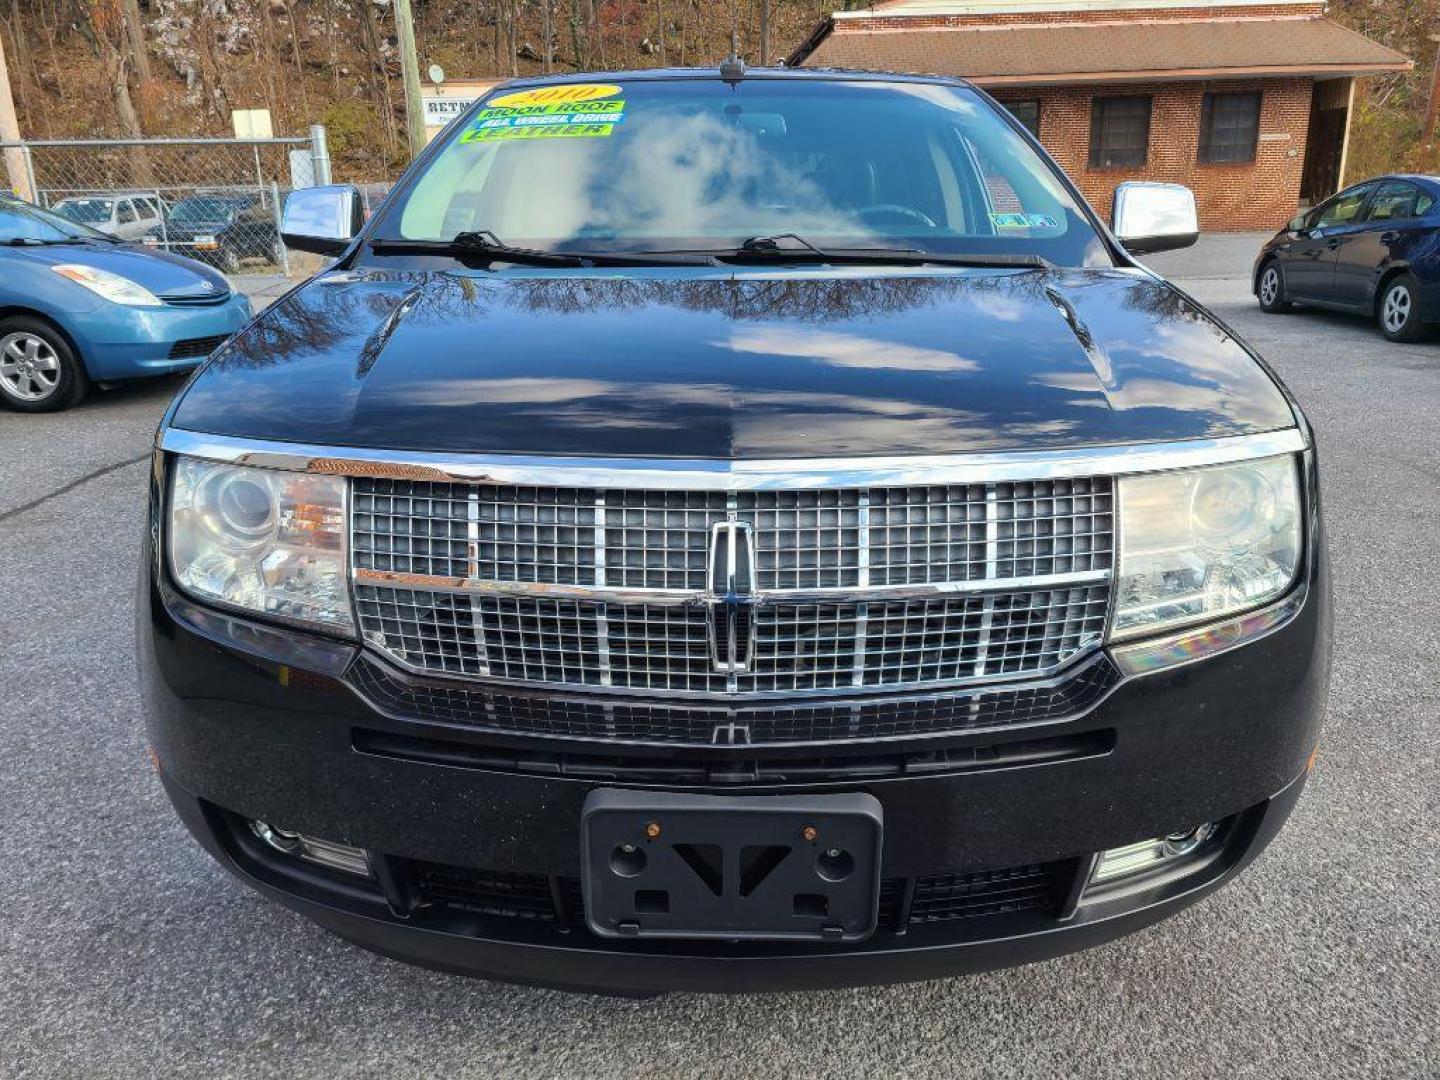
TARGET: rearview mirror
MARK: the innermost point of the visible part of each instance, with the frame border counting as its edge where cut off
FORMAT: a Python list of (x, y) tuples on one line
[(1150, 217), (322, 220)]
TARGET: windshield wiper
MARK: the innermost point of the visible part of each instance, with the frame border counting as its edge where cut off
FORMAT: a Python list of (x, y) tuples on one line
[(484, 244), (33, 241), (789, 248)]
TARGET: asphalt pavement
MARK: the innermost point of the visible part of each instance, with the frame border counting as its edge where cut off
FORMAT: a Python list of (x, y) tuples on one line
[(126, 952)]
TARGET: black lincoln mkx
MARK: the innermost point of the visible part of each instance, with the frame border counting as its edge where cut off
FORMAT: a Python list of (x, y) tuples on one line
[(730, 531)]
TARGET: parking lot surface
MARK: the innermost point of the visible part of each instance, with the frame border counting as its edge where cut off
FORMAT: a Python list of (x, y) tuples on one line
[(126, 952)]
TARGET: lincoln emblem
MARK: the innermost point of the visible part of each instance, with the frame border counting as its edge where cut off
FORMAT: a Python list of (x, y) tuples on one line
[(731, 581)]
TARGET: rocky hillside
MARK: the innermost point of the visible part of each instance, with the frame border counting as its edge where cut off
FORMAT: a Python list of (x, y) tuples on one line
[(1390, 110), (177, 67), (78, 71)]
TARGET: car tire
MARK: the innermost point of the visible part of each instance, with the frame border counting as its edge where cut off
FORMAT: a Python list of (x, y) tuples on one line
[(39, 371), (1271, 289), (1398, 310)]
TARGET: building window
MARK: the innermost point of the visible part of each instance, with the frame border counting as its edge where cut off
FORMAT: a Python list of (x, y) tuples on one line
[(1119, 131), (1229, 127), (1028, 113)]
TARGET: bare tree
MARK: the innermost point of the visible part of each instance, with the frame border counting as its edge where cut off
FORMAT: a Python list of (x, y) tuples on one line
[(514, 40), (267, 51), (379, 78), (135, 39), (212, 79), (104, 20), (299, 61), (576, 41)]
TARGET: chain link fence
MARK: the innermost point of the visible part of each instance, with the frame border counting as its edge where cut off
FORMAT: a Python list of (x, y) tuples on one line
[(216, 200)]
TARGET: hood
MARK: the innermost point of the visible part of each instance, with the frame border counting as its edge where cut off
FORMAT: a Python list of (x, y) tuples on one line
[(167, 276), (706, 365)]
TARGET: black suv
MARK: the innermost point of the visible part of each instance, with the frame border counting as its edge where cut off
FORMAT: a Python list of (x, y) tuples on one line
[(220, 229), (739, 530)]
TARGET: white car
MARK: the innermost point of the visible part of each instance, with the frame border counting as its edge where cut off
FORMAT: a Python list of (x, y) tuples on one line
[(128, 217)]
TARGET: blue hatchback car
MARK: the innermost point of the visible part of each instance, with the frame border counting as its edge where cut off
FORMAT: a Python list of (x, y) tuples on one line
[(77, 307), (1373, 249)]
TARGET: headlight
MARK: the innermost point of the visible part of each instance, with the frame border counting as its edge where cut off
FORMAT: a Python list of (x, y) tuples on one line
[(113, 287), (1203, 543), (262, 540)]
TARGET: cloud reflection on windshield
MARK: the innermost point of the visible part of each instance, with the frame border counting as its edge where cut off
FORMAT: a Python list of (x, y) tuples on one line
[(670, 175)]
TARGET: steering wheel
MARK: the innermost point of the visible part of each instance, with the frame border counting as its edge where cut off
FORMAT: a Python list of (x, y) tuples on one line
[(906, 213)]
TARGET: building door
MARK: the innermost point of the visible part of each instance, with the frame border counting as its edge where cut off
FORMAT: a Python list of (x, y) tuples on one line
[(1325, 145)]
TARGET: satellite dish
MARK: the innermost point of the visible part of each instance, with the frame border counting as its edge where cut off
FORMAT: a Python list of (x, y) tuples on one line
[(437, 74)]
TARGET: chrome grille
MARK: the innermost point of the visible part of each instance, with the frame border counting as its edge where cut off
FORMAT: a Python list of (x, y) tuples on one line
[(884, 587), (797, 647), (803, 539)]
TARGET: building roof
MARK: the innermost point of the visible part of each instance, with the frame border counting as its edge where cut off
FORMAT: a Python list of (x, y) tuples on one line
[(1137, 51), (1075, 8)]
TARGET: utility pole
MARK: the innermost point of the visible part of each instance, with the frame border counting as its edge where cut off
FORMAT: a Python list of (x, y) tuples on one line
[(10, 132), (410, 74)]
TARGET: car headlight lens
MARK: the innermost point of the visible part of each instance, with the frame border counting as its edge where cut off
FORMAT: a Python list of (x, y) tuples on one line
[(1201, 544), (113, 287), (262, 540)]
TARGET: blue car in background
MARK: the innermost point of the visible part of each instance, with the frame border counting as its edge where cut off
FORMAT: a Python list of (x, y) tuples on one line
[(79, 307), (1373, 250)]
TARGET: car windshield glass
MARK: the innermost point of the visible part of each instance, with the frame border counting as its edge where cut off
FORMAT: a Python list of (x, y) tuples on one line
[(702, 165), (21, 222), (201, 210), (89, 211)]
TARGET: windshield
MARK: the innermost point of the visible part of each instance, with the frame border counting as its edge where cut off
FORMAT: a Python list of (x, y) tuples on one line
[(202, 210), (702, 165), (21, 222), (88, 211)]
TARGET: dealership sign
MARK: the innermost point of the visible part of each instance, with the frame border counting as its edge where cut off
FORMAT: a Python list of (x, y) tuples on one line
[(439, 111), (445, 102)]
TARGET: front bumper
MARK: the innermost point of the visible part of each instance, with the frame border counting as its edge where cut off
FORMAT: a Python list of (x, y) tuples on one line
[(126, 343), (568, 956), (251, 721)]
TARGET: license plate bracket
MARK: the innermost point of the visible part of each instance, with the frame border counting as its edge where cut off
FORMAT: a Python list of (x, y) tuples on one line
[(773, 867)]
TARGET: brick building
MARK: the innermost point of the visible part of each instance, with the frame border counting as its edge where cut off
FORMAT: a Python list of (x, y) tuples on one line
[(1245, 101)]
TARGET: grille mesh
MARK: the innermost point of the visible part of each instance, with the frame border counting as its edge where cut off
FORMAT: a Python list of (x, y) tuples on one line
[(621, 721), (897, 536), (197, 348), (994, 892), (803, 539), (797, 647), (937, 898)]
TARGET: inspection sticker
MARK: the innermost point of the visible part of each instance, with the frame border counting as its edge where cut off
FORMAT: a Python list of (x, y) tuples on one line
[(569, 119), (1022, 221)]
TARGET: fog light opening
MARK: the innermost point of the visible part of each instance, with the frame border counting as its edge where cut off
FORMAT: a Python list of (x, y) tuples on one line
[(312, 849), (1182, 843), (1146, 855)]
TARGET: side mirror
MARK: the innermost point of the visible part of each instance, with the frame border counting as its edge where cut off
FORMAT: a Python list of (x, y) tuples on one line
[(322, 220), (1296, 223), (1150, 217)]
